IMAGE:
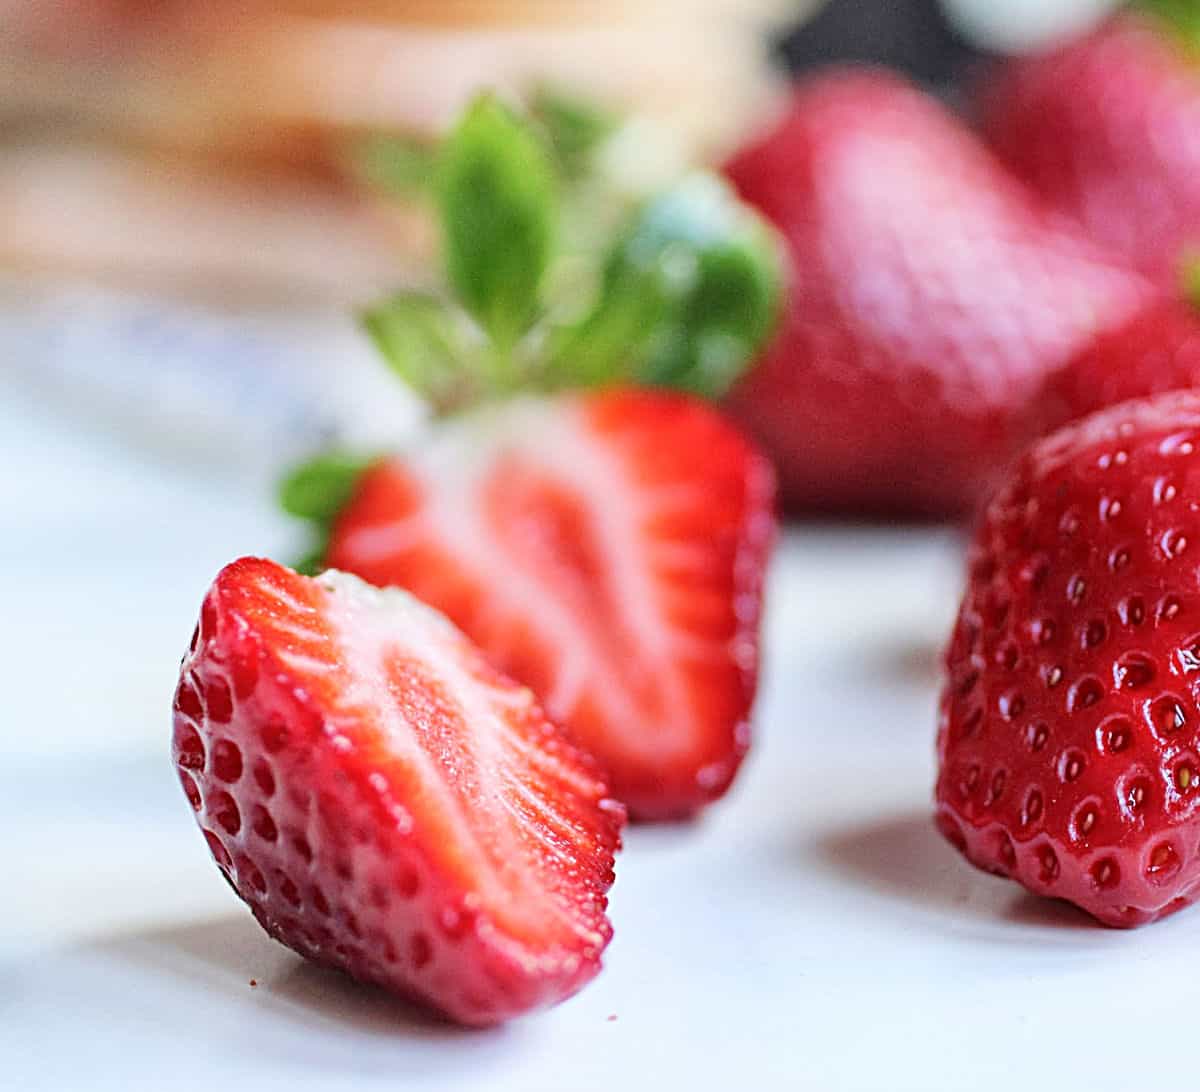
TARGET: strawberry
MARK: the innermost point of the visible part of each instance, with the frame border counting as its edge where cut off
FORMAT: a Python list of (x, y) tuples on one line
[(608, 551), (1069, 737), (1156, 351), (931, 294), (1104, 127), (385, 801)]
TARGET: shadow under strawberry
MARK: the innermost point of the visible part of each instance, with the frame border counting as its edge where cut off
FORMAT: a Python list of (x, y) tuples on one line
[(230, 956), (902, 857)]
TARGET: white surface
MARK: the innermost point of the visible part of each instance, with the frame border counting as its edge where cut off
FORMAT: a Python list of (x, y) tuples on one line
[(811, 932)]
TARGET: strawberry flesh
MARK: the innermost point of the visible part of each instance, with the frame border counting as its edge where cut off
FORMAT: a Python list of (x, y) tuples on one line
[(1069, 739), (385, 801), (607, 551)]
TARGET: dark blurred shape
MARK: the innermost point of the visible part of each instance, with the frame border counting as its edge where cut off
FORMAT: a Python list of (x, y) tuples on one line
[(912, 35)]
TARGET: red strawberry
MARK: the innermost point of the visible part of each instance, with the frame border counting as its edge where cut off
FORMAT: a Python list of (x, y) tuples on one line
[(1069, 740), (385, 801), (1105, 128), (930, 297), (606, 550), (1157, 351)]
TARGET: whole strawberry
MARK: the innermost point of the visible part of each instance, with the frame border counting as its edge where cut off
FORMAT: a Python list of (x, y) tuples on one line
[(1069, 739), (385, 801), (930, 296), (1105, 129)]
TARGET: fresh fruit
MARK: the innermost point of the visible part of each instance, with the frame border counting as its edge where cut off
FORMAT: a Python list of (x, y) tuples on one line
[(1105, 128), (385, 801), (1069, 738), (1156, 351), (930, 296), (608, 551)]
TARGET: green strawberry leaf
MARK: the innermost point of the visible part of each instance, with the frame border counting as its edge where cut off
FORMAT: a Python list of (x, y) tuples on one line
[(317, 491), (691, 291), (575, 128), (424, 341), (685, 296), (496, 196), (403, 166), (1182, 17), (312, 563)]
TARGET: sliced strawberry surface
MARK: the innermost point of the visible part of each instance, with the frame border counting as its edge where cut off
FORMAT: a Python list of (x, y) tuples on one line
[(606, 550), (388, 803)]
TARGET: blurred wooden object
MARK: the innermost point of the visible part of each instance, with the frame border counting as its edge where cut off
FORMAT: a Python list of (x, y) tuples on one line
[(204, 142), (183, 228), (246, 75)]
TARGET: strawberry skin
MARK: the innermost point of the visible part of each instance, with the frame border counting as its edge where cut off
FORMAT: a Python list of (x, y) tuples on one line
[(1069, 738), (385, 801), (1105, 129), (608, 551), (1156, 351), (930, 295)]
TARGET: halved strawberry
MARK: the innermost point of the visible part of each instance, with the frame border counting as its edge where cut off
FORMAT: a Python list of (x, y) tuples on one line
[(385, 801), (608, 551)]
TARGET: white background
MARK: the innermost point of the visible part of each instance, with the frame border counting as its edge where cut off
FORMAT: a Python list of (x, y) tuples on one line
[(810, 932)]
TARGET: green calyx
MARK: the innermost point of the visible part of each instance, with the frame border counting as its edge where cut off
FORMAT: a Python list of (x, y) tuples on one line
[(690, 292), (316, 491), (1180, 17), (1189, 277), (553, 280), (495, 189), (683, 294)]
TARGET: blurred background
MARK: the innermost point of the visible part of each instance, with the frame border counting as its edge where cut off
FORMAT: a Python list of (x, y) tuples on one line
[(188, 223), (185, 229)]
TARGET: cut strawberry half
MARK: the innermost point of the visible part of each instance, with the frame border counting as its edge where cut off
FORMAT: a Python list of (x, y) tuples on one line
[(385, 801), (608, 551)]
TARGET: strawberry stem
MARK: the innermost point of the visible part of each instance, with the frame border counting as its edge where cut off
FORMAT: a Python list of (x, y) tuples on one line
[(683, 295)]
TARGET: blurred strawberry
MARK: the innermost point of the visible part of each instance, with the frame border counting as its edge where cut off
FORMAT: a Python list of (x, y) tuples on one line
[(1106, 129), (931, 295), (604, 545), (1158, 350), (607, 551)]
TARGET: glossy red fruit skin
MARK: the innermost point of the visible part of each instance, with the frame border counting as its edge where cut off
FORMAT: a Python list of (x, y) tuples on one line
[(319, 835), (930, 295), (717, 501), (1105, 129), (1157, 351), (1069, 734)]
